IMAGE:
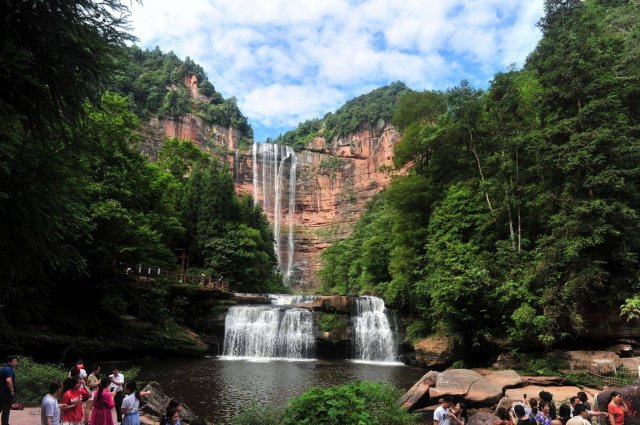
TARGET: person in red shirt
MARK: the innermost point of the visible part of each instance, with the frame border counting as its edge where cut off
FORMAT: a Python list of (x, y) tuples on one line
[(617, 408), (72, 397)]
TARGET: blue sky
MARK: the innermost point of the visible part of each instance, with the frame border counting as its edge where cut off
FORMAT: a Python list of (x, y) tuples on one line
[(287, 61)]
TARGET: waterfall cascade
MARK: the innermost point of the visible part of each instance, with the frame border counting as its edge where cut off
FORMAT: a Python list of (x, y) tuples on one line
[(268, 332), (374, 338), (269, 162), (285, 299)]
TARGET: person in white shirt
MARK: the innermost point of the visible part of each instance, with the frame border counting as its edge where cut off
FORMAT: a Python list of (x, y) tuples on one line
[(580, 415), (117, 381), (441, 415), (131, 403), (50, 409)]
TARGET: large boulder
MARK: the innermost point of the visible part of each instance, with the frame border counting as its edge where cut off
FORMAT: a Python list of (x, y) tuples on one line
[(434, 351), (631, 395), (418, 395), (157, 402), (482, 418), (602, 361), (454, 382), (505, 379), (483, 392)]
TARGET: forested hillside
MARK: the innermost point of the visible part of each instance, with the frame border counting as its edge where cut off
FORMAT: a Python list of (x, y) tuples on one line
[(79, 203), (366, 109), (154, 82), (520, 213)]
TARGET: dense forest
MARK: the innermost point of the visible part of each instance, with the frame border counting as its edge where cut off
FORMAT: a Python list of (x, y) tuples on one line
[(154, 83), (376, 106), (79, 203), (519, 215)]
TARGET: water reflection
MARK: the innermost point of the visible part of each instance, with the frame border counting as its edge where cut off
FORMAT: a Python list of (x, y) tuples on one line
[(218, 389)]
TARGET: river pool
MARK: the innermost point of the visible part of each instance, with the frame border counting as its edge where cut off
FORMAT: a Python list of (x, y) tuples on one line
[(218, 389)]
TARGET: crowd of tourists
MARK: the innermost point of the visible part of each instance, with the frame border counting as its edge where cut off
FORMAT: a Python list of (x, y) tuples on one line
[(86, 398), (541, 411)]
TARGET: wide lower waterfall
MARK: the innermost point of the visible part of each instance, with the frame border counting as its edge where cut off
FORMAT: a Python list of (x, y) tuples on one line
[(275, 190), (268, 332), (374, 338)]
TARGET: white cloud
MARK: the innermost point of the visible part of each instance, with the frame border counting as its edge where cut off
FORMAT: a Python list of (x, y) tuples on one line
[(287, 60)]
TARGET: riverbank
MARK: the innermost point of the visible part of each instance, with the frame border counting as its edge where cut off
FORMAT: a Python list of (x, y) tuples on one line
[(31, 416)]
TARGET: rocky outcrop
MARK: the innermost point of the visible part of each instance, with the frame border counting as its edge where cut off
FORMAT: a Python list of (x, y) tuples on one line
[(418, 395), (434, 351), (631, 396), (216, 140), (329, 304), (504, 379), (603, 362), (482, 418)]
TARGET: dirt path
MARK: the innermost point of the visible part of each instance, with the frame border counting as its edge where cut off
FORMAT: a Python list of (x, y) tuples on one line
[(31, 416)]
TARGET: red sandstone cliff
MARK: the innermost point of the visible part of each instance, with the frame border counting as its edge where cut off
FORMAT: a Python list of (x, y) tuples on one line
[(335, 178), (334, 182)]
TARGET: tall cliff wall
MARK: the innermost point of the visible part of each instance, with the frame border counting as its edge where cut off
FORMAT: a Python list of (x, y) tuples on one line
[(217, 140), (334, 182)]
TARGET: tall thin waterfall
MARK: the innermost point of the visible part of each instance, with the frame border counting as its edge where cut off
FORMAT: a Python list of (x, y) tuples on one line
[(269, 183), (374, 339), (268, 332)]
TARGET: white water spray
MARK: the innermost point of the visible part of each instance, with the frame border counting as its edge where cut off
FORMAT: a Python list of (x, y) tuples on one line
[(268, 332), (269, 183), (374, 339)]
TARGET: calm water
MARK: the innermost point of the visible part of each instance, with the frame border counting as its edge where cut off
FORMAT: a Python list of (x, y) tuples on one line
[(219, 389)]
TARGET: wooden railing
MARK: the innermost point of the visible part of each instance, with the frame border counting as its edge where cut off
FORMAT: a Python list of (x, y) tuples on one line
[(149, 274)]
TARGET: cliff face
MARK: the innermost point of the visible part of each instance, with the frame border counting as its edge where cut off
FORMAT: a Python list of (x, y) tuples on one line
[(334, 182), (214, 139)]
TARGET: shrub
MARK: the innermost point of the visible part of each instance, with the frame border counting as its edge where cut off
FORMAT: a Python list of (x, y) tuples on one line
[(259, 415), (34, 379), (329, 321), (417, 330), (541, 364), (362, 403)]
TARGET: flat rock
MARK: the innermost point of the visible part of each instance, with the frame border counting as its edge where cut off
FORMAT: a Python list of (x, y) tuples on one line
[(418, 395), (631, 363), (330, 304), (482, 418), (505, 379), (544, 380), (454, 382), (483, 392)]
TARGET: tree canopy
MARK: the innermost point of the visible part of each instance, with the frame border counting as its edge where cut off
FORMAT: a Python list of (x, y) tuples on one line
[(519, 214)]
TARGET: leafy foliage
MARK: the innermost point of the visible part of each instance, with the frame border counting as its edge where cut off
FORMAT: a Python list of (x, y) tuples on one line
[(330, 321), (521, 205), (35, 379), (79, 203), (357, 403), (155, 84), (377, 106)]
